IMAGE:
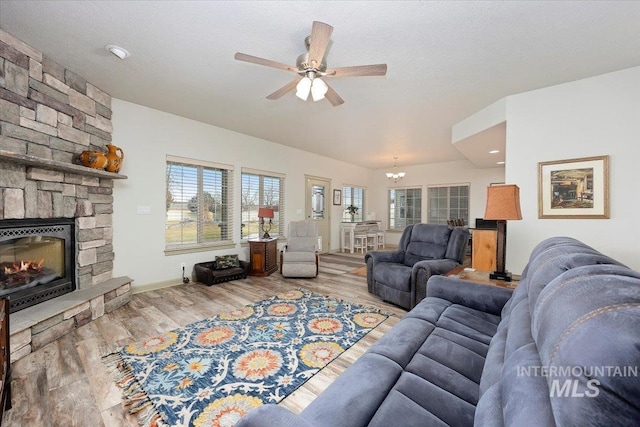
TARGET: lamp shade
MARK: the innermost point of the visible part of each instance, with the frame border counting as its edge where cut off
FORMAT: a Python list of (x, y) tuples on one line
[(303, 87), (503, 202), (318, 89), (265, 213)]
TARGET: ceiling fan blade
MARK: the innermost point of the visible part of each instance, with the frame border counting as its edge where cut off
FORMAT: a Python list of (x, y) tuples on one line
[(358, 70), (320, 34), (261, 61), (284, 89), (333, 97)]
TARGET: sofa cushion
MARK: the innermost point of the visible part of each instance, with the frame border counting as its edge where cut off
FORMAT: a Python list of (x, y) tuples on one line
[(289, 256), (302, 244), (397, 276), (418, 403), (427, 241)]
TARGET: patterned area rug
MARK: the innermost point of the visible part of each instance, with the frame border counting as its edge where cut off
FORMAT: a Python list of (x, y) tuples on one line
[(210, 373)]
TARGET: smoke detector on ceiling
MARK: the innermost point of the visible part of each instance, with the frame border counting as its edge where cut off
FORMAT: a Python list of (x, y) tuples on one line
[(118, 51)]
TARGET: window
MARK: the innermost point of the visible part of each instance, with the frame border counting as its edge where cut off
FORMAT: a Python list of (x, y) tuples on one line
[(405, 207), (199, 204), (261, 190), (353, 196), (448, 203)]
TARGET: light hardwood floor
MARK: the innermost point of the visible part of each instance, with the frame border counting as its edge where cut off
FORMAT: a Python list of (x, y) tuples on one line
[(66, 384)]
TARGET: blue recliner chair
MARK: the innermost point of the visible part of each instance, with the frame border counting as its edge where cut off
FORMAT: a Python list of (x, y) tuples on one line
[(400, 277)]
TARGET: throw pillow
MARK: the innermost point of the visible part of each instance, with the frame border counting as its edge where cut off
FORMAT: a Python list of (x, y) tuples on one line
[(301, 244), (227, 261)]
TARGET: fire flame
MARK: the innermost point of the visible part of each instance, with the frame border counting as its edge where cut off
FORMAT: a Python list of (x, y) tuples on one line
[(24, 266)]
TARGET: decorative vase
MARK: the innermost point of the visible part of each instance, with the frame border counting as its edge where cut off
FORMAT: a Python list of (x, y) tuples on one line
[(94, 159), (115, 161)]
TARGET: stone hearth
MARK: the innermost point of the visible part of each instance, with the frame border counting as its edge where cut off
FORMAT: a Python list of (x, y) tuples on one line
[(37, 326)]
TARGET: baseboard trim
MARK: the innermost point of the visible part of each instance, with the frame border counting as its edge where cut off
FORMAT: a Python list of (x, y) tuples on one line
[(154, 286)]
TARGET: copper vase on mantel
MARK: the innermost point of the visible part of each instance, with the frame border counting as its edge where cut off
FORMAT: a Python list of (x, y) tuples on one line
[(114, 161), (94, 159)]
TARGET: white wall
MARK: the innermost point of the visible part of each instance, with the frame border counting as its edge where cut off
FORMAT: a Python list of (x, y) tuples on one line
[(458, 172), (590, 117), (148, 135)]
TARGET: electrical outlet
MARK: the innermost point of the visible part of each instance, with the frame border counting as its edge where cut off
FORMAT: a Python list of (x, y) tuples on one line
[(183, 265)]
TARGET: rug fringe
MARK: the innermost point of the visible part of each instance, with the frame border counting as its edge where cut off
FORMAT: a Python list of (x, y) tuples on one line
[(133, 395)]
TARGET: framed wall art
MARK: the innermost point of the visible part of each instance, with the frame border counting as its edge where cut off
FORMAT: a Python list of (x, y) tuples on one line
[(574, 188), (337, 197)]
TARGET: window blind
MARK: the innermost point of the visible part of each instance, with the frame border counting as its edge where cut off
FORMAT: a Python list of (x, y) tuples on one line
[(448, 202), (199, 203), (405, 207), (261, 189)]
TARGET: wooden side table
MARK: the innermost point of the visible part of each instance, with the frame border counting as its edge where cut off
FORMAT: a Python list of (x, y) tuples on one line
[(482, 277), (484, 246), (263, 255)]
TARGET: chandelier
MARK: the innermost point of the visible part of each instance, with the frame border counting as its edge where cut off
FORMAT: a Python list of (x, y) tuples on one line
[(395, 176)]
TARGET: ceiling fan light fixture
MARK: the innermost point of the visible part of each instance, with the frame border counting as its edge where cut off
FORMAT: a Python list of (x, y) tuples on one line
[(318, 89), (313, 64), (303, 87)]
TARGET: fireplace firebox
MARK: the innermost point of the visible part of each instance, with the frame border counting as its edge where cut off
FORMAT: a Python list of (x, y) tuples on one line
[(37, 260)]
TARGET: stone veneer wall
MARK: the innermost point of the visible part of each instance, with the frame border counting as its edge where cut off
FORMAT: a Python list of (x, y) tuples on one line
[(48, 112)]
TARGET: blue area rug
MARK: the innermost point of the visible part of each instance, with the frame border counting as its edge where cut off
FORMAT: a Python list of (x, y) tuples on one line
[(212, 372)]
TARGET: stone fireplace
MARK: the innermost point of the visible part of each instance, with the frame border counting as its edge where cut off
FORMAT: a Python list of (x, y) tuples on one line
[(37, 260), (48, 116)]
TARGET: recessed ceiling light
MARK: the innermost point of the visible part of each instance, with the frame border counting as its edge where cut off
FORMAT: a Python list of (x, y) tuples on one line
[(118, 51), (500, 163), (494, 151)]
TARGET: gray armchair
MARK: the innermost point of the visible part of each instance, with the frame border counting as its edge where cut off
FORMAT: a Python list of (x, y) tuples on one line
[(299, 258), (400, 277)]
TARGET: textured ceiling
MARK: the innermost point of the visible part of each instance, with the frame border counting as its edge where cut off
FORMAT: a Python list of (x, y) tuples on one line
[(446, 60)]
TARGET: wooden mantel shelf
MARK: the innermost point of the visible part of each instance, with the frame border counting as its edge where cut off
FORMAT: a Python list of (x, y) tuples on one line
[(57, 166)]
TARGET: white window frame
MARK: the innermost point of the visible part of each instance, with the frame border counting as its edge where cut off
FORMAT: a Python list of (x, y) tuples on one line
[(348, 198), (449, 202), (226, 202), (279, 214), (391, 209)]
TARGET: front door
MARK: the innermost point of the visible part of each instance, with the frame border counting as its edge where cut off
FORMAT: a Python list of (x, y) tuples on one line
[(317, 207)]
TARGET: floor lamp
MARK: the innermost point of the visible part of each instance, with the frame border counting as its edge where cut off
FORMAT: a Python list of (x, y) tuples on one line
[(503, 203)]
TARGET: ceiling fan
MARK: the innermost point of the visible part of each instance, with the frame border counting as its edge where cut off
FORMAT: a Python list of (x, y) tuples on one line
[(311, 66)]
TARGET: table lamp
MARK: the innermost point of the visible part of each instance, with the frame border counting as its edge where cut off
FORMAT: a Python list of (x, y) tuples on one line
[(503, 203), (262, 214)]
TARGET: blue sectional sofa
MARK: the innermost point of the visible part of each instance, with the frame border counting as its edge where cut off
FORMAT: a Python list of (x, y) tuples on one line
[(562, 350)]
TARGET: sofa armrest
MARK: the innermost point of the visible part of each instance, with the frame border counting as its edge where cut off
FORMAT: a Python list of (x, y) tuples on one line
[(422, 271), (371, 258), (272, 416), (246, 266), (479, 296), (436, 266), (383, 256)]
